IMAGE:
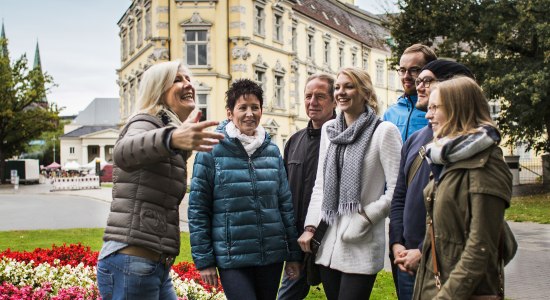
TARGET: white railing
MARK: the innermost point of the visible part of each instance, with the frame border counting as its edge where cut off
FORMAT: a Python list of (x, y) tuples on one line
[(75, 183)]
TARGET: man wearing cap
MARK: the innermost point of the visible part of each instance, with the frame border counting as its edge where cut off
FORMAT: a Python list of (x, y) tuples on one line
[(404, 114), (408, 214)]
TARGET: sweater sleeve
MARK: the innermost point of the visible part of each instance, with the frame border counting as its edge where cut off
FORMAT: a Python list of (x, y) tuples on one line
[(389, 148), (201, 210)]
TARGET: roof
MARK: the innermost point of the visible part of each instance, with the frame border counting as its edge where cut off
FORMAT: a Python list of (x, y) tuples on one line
[(101, 111), (80, 131), (350, 20)]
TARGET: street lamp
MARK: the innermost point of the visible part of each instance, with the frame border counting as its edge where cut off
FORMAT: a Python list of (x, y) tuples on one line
[(54, 138)]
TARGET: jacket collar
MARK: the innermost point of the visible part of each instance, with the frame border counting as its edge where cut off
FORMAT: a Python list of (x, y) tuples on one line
[(234, 145), (477, 161)]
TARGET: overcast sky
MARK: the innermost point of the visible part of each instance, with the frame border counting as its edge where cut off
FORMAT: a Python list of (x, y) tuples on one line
[(79, 43)]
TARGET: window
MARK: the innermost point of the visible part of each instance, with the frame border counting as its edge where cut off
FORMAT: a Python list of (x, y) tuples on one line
[(340, 57), (354, 59), (279, 92), (259, 77), (139, 30), (259, 20), (131, 38), (124, 46), (294, 37), (196, 44), (310, 45), (380, 72), (326, 54), (94, 150), (202, 105), (260, 67), (278, 27), (148, 22), (71, 150), (391, 80), (365, 60)]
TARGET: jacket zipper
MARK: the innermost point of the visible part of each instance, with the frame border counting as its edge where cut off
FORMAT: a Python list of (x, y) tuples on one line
[(252, 172)]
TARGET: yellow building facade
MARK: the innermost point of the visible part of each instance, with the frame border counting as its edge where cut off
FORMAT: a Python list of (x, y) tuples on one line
[(276, 43)]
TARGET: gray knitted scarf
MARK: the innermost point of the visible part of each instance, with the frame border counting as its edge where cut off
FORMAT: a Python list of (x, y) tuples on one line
[(342, 186)]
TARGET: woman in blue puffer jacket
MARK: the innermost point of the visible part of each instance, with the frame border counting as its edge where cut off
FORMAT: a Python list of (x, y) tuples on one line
[(240, 206)]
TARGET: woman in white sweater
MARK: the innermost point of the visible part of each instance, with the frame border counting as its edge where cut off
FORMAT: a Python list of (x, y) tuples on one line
[(358, 165)]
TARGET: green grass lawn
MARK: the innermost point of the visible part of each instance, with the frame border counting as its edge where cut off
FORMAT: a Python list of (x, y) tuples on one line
[(535, 208)]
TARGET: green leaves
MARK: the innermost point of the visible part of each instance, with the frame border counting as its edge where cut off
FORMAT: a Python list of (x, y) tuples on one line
[(507, 45)]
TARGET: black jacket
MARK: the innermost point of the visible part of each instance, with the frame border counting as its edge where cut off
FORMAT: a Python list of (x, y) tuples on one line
[(301, 156)]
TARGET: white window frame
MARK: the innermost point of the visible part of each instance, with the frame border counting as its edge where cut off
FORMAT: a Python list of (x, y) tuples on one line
[(259, 19)]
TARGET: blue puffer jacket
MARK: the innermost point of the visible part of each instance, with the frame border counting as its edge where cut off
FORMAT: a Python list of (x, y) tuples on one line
[(406, 116), (240, 207)]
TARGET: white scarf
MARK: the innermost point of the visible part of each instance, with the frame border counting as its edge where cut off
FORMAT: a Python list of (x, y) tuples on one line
[(250, 143)]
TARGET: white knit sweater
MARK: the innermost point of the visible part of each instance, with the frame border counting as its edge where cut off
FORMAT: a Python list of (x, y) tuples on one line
[(351, 245)]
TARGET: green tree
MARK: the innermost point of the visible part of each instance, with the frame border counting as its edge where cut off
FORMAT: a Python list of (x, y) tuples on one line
[(23, 116), (507, 45)]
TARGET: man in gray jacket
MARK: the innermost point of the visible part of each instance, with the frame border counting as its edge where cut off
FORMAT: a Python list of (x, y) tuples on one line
[(301, 156)]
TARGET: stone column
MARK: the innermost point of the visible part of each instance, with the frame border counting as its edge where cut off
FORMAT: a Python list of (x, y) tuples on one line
[(102, 152), (84, 154)]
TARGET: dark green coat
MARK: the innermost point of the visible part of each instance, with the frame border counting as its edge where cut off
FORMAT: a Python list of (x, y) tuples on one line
[(468, 213)]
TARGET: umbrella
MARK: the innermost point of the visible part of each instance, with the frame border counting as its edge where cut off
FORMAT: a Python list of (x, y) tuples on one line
[(53, 165)]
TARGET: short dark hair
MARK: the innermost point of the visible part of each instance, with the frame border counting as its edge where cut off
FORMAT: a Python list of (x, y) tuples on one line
[(428, 53), (242, 87)]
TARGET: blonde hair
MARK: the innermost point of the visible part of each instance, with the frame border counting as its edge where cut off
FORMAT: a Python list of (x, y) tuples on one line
[(465, 105), (361, 79), (155, 82)]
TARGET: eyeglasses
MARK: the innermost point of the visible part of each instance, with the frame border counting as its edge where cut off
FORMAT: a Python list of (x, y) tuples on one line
[(412, 71), (433, 108), (426, 81)]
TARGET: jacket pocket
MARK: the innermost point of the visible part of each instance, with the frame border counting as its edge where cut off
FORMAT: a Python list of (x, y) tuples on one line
[(228, 236), (152, 219), (358, 229)]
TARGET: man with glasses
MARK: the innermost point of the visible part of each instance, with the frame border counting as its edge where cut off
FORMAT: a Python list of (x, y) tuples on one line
[(408, 214), (404, 114)]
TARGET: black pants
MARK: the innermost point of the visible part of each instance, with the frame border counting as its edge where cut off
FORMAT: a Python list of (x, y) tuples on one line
[(251, 283), (344, 286)]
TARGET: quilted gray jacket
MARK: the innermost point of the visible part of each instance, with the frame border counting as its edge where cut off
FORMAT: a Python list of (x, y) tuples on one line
[(149, 184)]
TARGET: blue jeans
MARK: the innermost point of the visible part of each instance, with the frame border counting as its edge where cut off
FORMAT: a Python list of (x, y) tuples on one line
[(251, 283), (294, 289), (405, 282), (121, 276)]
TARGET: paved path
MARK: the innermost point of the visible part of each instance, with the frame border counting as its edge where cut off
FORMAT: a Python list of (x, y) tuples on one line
[(527, 276)]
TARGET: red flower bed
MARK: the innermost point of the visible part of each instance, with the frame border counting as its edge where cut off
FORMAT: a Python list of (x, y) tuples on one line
[(188, 270), (67, 254), (74, 254)]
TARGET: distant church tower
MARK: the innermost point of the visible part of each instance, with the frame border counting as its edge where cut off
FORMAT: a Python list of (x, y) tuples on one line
[(4, 45), (38, 65)]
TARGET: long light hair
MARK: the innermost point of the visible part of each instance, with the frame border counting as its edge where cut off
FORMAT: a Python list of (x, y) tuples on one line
[(155, 82), (465, 105), (361, 79)]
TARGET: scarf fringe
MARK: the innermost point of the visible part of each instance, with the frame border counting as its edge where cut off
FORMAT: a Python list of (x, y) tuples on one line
[(343, 210)]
